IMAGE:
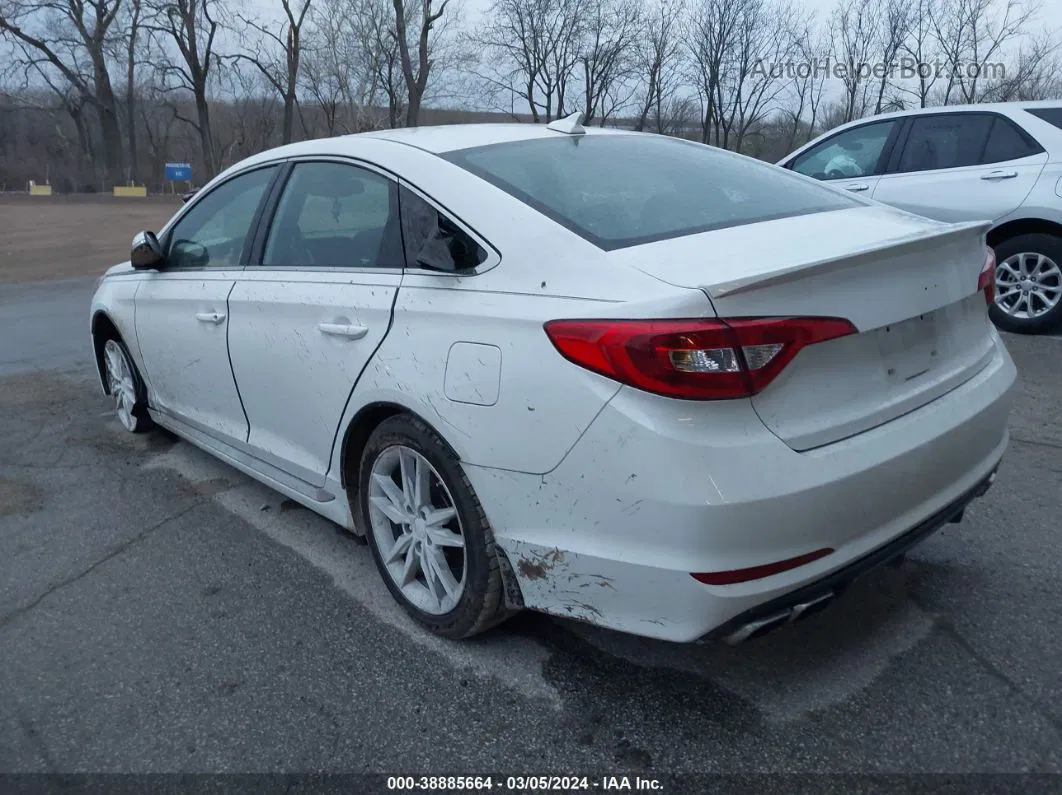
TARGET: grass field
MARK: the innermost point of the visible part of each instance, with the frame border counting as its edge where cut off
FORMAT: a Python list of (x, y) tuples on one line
[(61, 237)]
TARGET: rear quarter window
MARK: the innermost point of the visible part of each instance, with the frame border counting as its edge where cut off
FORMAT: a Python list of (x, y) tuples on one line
[(624, 190), (1050, 115)]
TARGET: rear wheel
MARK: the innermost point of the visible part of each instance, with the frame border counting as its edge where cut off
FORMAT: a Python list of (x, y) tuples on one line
[(1028, 284), (427, 531), (126, 387)]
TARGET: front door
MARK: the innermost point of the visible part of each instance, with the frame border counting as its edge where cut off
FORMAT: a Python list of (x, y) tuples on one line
[(182, 310), (307, 318), (851, 159)]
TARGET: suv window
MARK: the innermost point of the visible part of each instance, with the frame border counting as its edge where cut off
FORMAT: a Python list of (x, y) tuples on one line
[(947, 140), (434, 241), (213, 232), (1008, 142), (852, 153), (1050, 115), (335, 215)]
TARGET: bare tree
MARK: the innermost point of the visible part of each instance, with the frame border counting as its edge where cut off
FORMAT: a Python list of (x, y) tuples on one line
[(659, 64), (807, 85), (740, 49), (69, 38), (418, 17), (278, 56), (970, 34), (1035, 73), (131, 23), (606, 58), (919, 46), (767, 31), (351, 63), (855, 28), (192, 27), (532, 49), (894, 27), (711, 31)]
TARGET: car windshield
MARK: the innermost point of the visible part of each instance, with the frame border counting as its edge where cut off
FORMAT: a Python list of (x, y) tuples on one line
[(624, 190)]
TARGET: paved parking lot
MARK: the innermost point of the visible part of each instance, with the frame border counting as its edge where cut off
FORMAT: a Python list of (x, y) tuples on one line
[(161, 612)]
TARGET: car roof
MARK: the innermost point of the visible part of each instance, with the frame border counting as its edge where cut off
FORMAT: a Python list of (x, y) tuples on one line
[(436, 140), (984, 107), (450, 137)]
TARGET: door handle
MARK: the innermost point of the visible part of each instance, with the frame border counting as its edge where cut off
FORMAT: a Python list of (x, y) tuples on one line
[(1000, 175), (351, 332), (857, 188), (210, 317)]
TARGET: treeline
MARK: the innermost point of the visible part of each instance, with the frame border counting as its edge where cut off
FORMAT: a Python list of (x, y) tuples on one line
[(104, 93)]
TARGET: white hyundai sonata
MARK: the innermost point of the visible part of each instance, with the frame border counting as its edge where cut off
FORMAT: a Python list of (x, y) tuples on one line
[(616, 377)]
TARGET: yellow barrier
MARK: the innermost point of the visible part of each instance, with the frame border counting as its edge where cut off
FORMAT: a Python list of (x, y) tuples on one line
[(130, 191), (40, 190)]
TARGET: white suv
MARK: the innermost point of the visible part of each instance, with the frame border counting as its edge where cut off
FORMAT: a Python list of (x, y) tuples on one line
[(998, 162)]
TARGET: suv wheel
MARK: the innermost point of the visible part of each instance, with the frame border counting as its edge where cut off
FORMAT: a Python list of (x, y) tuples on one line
[(1028, 284)]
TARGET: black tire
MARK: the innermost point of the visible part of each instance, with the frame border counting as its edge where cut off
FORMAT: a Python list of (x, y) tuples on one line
[(1051, 247), (481, 604), (141, 420)]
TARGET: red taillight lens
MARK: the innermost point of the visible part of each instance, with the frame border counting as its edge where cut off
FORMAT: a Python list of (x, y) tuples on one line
[(986, 282), (692, 359), (759, 572)]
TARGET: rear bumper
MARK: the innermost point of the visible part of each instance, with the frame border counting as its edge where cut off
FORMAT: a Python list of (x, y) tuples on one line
[(657, 489), (807, 599)]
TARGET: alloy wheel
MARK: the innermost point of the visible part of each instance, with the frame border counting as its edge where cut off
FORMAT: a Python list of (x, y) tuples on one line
[(121, 383), (417, 529), (1028, 285)]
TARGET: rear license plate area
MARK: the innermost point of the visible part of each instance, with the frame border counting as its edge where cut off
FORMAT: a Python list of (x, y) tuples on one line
[(909, 349)]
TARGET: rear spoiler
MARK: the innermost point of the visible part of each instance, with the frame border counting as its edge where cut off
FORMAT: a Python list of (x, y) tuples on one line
[(899, 245)]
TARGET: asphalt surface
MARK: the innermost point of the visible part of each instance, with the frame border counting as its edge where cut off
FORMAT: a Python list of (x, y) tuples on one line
[(161, 612)]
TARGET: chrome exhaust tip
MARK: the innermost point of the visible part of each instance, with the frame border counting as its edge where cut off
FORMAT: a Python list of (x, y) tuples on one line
[(761, 626), (755, 629)]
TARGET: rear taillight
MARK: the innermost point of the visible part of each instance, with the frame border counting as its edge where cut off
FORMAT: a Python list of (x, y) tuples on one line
[(986, 282), (692, 359)]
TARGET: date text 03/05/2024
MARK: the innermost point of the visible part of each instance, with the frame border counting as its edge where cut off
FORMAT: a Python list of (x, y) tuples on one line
[(523, 784)]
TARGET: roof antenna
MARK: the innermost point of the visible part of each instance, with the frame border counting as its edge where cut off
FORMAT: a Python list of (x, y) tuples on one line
[(569, 125)]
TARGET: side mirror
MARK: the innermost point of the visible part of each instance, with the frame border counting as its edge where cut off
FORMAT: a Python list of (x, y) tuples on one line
[(146, 252)]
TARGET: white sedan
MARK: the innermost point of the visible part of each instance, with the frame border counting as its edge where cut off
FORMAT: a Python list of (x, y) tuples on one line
[(611, 376)]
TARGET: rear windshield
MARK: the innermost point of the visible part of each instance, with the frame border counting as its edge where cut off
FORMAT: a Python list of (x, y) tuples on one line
[(623, 190)]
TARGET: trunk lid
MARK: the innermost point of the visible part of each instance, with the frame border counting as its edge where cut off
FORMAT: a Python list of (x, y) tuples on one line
[(908, 284)]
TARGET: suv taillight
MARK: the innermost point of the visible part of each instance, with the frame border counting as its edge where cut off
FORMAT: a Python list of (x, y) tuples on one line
[(986, 281), (692, 359)]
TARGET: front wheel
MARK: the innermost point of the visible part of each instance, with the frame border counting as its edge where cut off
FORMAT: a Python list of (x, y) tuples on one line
[(428, 533), (126, 387), (1028, 284)]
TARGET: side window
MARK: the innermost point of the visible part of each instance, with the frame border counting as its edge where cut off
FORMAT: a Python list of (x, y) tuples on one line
[(853, 153), (1007, 142), (213, 231), (334, 215), (433, 241), (1050, 115), (950, 140)]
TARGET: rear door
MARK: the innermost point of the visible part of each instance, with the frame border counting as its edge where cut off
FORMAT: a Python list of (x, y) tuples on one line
[(313, 306), (853, 159), (962, 167)]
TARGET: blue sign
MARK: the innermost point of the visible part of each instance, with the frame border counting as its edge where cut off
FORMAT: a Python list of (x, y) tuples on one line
[(179, 172)]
